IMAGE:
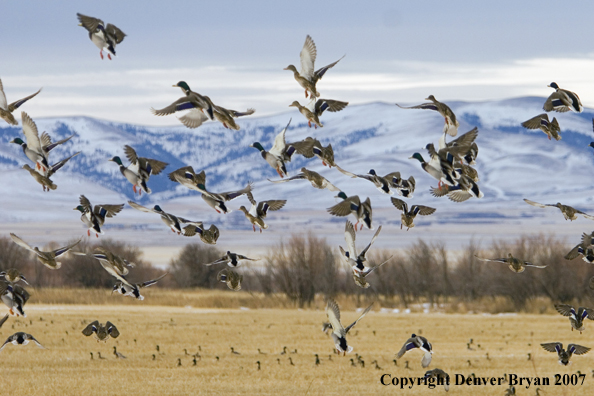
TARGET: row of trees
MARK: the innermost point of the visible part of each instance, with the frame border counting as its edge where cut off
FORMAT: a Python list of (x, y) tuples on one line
[(306, 265)]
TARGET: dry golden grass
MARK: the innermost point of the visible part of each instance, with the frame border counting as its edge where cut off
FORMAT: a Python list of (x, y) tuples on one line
[(65, 367)]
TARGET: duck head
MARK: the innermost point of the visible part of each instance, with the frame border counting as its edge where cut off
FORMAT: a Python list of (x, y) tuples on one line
[(431, 98), (295, 104), (157, 208), (257, 145), (80, 208), (184, 86), (372, 172), (18, 141), (553, 85), (117, 160), (292, 68), (417, 156), (341, 195)]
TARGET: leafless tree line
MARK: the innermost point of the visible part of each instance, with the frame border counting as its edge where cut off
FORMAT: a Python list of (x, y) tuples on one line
[(305, 266)]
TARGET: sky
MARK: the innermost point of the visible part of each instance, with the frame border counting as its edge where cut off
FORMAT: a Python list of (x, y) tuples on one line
[(235, 52)]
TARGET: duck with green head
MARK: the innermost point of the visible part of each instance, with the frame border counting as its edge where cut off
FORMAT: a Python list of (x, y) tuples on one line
[(191, 100), (132, 177), (353, 205), (278, 154)]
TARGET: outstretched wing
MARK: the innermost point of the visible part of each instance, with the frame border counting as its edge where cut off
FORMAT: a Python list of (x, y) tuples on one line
[(308, 58), (112, 330), (552, 346), (364, 252), (330, 105), (31, 133), (346, 330), (107, 210), (89, 23), (349, 237), (193, 119), (322, 70), (91, 328), (280, 144), (265, 206), (577, 349), (20, 242), (422, 210), (537, 122), (115, 32), (424, 106), (16, 104), (182, 103), (141, 208), (408, 345), (565, 310), (345, 207), (153, 281), (498, 260), (399, 204), (333, 314)]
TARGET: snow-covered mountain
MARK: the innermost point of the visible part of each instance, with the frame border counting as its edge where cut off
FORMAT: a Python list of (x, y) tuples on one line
[(513, 163)]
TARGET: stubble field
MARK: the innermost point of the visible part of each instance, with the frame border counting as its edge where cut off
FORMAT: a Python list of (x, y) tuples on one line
[(65, 367)]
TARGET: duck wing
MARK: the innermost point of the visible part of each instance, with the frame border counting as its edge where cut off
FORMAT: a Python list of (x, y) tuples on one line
[(400, 204), (425, 106), (60, 251), (333, 313), (4, 103), (90, 23), (115, 32), (498, 260), (193, 119), (346, 207), (408, 345), (557, 101), (346, 330), (142, 208), (280, 145), (322, 70), (152, 282), (565, 310), (265, 206), (91, 328), (349, 237), (16, 104), (538, 205), (577, 349), (422, 210), (537, 122), (308, 58), (31, 133), (21, 243), (183, 103), (112, 330), (58, 165), (330, 105), (107, 210), (364, 252)]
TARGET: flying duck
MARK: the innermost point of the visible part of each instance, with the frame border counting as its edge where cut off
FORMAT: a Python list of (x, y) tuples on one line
[(338, 331), (46, 258), (102, 35)]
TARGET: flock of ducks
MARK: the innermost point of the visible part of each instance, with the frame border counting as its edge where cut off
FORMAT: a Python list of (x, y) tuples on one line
[(450, 164)]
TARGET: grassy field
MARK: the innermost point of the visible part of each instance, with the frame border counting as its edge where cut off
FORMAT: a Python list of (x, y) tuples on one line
[(65, 367)]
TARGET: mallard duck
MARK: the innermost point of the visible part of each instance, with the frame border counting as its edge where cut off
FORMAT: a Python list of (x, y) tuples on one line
[(514, 264), (14, 296), (231, 278), (511, 391), (258, 211), (451, 123), (382, 183), (585, 249), (278, 154), (433, 171), (575, 318), (568, 212), (420, 342), (34, 149), (94, 216), (408, 216), (196, 117), (314, 110), (188, 178), (404, 187), (115, 265), (338, 331), (13, 275), (209, 236), (102, 35), (117, 354), (306, 77), (446, 159), (140, 169), (441, 377), (565, 355), (541, 121), (20, 338), (464, 190), (45, 182), (352, 205), (231, 259), (310, 147), (6, 109), (191, 100), (102, 331), (172, 221), (46, 258), (562, 100), (355, 261), (43, 176), (316, 180), (133, 290)]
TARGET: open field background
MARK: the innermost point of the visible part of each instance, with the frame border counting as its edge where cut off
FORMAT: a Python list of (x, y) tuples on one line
[(66, 367)]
